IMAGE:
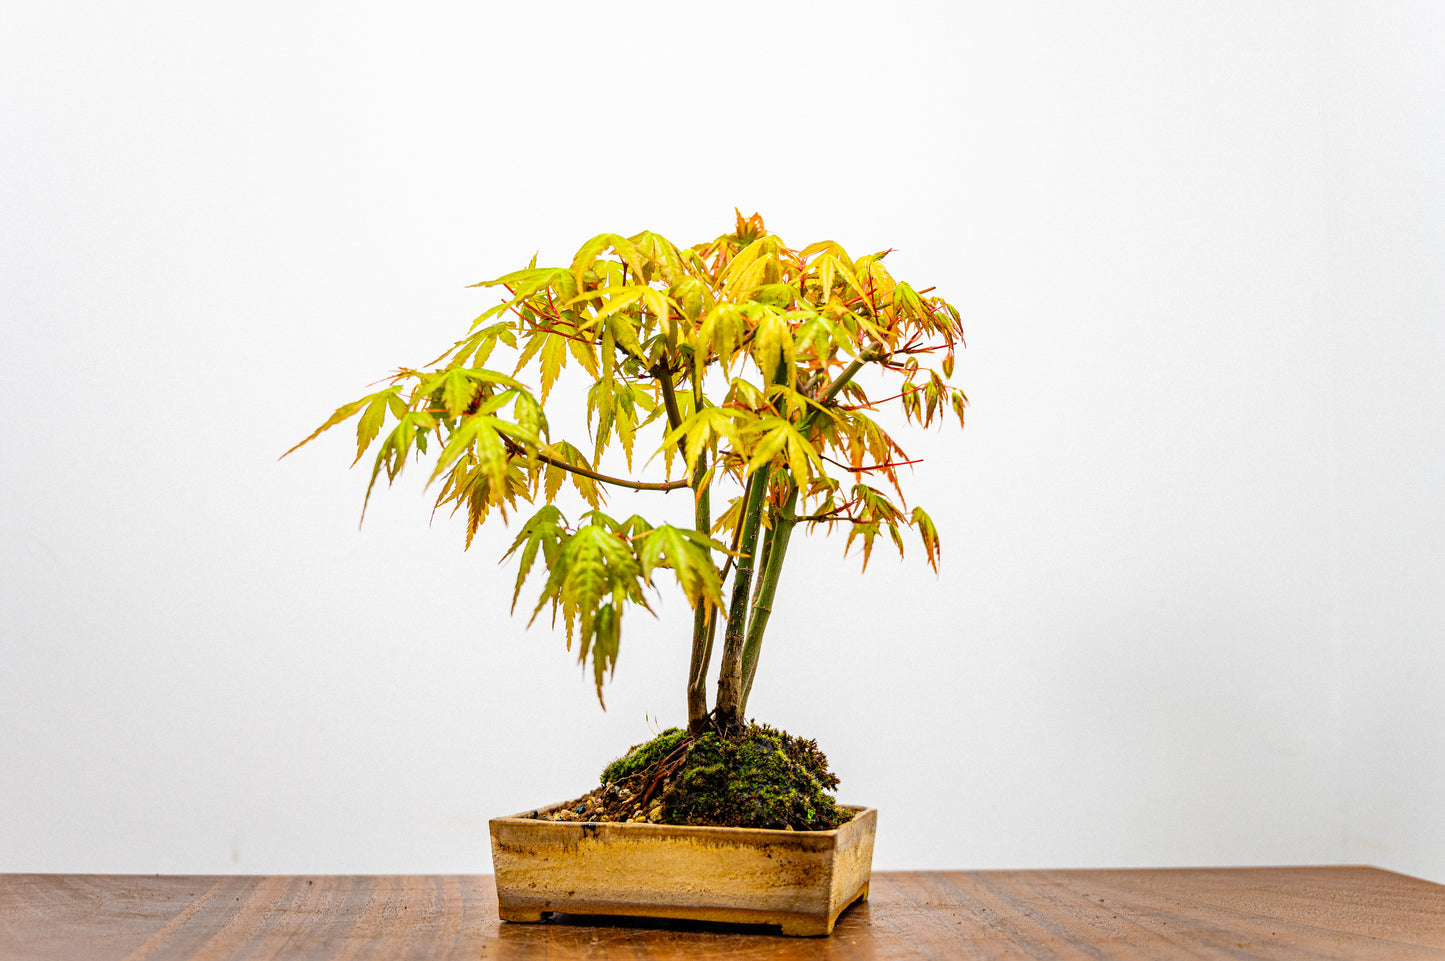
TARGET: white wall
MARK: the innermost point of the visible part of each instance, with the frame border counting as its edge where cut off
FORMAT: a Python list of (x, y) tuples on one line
[(1189, 611), (1387, 183)]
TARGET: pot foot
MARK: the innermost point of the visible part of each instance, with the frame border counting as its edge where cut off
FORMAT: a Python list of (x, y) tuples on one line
[(519, 916), (806, 928), (815, 927)]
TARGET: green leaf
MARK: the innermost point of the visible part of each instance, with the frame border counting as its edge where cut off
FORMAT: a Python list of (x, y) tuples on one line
[(590, 251), (593, 565), (780, 437), (772, 343), (614, 403), (868, 531), (524, 283), (529, 415), (820, 336), (413, 427), (469, 488), (478, 345), (659, 251), (686, 553), (342, 413), (701, 430), (586, 486), (779, 296), (556, 477), (553, 358), (620, 308), (457, 391), (587, 256), (483, 436), (585, 353), (603, 643), (656, 302), (729, 519), (545, 530), (692, 297), (723, 328), (624, 334), (613, 299), (928, 534), (369, 424)]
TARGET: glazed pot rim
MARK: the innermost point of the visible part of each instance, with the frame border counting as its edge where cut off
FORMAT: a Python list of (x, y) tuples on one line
[(860, 814)]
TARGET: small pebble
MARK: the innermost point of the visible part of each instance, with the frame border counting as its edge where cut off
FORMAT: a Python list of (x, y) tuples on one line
[(581, 809)]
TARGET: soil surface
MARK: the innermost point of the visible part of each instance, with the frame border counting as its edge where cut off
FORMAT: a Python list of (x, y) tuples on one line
[(760, 778)]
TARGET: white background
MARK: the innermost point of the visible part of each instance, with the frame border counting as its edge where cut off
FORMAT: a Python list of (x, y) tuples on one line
[(1190, 611)]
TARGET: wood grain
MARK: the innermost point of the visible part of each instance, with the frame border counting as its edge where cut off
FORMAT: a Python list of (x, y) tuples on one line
[(1244, 913)]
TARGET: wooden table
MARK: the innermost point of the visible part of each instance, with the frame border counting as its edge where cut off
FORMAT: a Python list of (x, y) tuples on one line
[(1283, 913)]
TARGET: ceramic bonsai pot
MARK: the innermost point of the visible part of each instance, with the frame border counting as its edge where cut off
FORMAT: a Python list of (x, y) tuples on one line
[(800, 880)]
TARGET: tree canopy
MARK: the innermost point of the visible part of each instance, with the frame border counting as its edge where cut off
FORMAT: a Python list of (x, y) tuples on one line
[(730, 365)]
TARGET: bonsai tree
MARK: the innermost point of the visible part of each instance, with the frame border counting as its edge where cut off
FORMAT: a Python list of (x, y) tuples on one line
[(740, 371)]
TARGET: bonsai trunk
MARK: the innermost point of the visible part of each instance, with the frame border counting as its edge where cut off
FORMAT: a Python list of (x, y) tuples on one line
[(774, 552), (730, 695), (703, 623), (748, 620)]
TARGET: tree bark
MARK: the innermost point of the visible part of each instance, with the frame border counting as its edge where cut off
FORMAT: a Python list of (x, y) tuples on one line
[(730, 679), (762, 607), (702, 621)]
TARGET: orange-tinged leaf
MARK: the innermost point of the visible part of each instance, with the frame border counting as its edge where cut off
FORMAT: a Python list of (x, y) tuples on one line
[(928, 534), (553, 358), (585, 353), (631, 311)]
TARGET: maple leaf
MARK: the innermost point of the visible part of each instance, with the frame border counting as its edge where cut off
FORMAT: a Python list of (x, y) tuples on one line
[(661, 330), (688, 554)]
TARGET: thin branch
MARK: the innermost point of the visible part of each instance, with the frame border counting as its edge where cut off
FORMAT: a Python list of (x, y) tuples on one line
[(872, 404), (864, 470), (518, 450), (840, 380), (870, 354), (830, 517), (662, 373)]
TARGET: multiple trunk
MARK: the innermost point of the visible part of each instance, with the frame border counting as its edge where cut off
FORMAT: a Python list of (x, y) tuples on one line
[(751, 604)]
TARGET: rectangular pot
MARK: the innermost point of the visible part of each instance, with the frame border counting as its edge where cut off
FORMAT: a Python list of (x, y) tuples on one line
[(801, 880)]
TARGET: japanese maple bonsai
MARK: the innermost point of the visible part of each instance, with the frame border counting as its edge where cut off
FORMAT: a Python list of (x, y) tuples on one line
[(740, 365)]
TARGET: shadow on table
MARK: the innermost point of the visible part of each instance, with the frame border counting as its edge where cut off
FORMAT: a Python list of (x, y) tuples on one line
[(601, 929)]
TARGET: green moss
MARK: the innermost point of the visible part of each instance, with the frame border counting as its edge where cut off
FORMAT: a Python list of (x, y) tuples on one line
[(642, 756), (764, 778)]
